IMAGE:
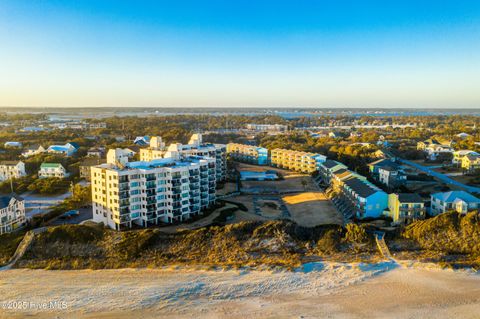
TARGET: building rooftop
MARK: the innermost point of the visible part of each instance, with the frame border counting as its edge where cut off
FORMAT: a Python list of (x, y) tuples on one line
[(361, 187), (157, 163), (385, 162), (453, 195), (330, 163), (409, 198), (5, 200), (50, 165), (13, 163)]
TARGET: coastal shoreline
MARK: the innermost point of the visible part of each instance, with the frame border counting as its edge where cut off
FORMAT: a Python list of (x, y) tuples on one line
[(318, 289)]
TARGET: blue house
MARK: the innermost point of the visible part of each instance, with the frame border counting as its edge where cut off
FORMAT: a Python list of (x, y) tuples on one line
[(364, 198)]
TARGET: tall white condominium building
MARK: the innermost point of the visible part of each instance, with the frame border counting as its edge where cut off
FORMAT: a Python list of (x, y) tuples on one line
[(195, 147), (145, 193)]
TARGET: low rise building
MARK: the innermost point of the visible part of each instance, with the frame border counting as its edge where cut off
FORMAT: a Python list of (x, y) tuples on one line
[(460, 154), (459, 201), (12, 213), (98, 125), (404, 208), (141, 140), (13, 144), (33, 150), (96, 152), (471, 163), (85, 166), (387, 172), (68, 149), (52, 170), (391, 176), (11, 169), (258, 176), (304, 162), (247, 153)]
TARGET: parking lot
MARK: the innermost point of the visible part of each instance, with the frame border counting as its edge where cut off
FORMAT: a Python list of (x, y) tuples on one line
[(84, 214)]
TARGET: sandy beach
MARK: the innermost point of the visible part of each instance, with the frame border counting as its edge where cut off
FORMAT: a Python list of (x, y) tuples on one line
[(320, 290)]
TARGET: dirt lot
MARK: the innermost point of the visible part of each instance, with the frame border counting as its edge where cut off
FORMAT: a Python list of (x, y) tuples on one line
[(312, 209), (305, 208)]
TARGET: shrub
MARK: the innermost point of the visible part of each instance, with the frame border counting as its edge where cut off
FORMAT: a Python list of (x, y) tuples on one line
[(356, 234)]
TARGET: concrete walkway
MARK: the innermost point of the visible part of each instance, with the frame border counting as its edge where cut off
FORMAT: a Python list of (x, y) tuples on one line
[(22, 247)]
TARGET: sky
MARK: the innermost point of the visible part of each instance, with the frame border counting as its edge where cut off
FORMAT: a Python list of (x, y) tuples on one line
[(240, 53)]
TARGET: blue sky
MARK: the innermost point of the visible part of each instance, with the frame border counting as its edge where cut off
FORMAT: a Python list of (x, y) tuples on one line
[(240, 53)]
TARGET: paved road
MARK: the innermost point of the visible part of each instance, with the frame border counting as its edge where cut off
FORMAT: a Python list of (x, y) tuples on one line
[(444, 178)]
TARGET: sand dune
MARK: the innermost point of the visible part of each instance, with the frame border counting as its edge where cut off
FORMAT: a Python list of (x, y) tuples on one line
[(328, 290)]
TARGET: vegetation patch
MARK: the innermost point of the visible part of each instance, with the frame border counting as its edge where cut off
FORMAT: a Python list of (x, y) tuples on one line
[(8, 244)]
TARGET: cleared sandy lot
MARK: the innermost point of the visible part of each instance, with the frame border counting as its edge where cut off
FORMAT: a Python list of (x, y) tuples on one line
[(306, 205), (312, 209), (329, 290)]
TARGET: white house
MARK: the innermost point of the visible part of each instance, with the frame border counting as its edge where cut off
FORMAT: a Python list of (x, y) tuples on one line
[(12, 213), (33, 150), (13, 144), (459, 201), (52, 170), (11, 169), (391, 176)]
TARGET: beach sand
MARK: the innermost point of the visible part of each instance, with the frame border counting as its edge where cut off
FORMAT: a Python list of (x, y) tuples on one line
[(320, 290)]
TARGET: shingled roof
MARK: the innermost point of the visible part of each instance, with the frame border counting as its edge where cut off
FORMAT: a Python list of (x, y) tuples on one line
[(361, 187)]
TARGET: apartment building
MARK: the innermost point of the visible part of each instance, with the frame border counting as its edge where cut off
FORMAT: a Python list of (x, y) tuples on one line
[(12, 213), (195, 147), (362, 198), (459, 201), (404, 208), (146, 193), (355, 196), (11, 169), (247, 153), (48, 170), (327, 168), (296, 161), (267, 127)]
